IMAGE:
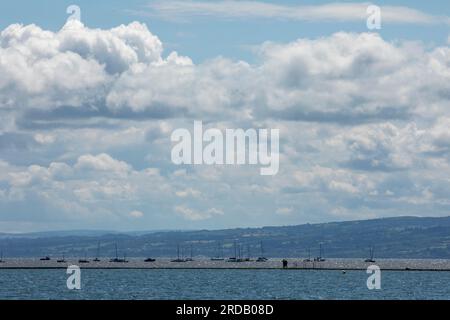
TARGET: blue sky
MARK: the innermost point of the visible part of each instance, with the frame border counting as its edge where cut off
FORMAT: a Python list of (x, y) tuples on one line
[(226, 36), (87, 110)]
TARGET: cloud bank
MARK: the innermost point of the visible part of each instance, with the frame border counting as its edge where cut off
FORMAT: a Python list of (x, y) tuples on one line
[(86, 117)]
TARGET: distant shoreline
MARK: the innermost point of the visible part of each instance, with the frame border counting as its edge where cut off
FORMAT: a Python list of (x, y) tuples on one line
[(271, 264)]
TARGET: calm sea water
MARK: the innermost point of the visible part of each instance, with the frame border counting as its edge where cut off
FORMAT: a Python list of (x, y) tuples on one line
[(222, 284)]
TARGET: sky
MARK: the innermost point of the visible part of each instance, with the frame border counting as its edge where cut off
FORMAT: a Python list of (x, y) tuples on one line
[(87, 109)]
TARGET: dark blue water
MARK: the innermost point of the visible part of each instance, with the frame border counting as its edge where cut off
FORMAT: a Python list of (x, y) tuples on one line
[(222, 284)]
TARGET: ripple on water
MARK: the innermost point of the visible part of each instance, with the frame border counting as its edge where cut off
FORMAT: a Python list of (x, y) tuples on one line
[(223, 284)]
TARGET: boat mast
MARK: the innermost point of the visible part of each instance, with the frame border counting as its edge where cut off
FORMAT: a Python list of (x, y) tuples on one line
[(98, 250), (262, 249), (320, 250)]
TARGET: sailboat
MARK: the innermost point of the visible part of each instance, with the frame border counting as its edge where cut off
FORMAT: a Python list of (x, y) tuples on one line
[(47, 258), (62, 260), (371, 256), (240, 259), (309, 256), (85, 260), (219, 256), (320, 258), (149, 260), (178, 259), (262, 258), (1, 257), (117, 259), (97, 259), (248, 254), (191, 257), (233, 259)]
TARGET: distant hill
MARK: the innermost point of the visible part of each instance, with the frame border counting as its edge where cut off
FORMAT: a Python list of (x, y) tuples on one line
[(49, 234), (402, 237)]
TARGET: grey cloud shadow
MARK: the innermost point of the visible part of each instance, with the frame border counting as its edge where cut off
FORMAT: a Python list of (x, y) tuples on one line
[(382, 114), (16, 141), (64, 116)]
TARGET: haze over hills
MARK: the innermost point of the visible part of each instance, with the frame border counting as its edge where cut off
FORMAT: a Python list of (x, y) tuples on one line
[(401, 237), (65, 233)]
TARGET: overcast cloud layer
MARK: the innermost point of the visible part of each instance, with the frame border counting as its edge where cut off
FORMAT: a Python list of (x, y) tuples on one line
[(86, 117)]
